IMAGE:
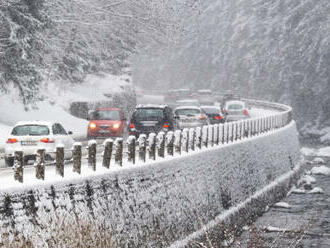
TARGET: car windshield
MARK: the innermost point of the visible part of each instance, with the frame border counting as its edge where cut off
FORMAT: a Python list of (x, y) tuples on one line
[(187, 112), (112, 115), (148, 114), (210, 110), (33, 130), (235, 106)]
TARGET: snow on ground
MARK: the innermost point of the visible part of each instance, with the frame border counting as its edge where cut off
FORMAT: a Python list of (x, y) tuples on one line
[(308, 151), (281, 205), (94, 88), (322, 152), (321, 170)]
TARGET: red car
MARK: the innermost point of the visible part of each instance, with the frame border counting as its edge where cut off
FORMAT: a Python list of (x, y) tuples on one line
[(106, 122)]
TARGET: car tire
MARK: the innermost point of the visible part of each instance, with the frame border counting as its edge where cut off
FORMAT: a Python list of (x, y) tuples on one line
[(9, 162)]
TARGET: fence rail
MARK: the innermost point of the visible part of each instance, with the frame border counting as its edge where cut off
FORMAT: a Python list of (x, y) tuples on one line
[(158, 146)]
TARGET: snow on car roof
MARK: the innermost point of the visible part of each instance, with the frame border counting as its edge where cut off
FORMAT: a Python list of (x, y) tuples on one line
[(46, 123), (187, 100), (210, 106), (151, 106), (188, 107), (208, 91)]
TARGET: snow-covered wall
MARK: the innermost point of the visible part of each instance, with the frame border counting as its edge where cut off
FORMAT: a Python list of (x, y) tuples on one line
[(171, 198)]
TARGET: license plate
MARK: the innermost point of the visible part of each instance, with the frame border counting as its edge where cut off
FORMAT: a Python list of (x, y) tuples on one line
[(148, 123), (28, 143), (104, 131)]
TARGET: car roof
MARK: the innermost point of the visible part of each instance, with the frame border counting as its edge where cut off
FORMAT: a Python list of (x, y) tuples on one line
[(210, 106), (188, 107), (117, 109), (235, 102), (187, 100), (162, 106), (205, 90), (45, 123)]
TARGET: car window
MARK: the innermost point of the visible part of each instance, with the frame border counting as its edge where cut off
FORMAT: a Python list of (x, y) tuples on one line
[(235, 106), (187, 111), (111, 115), (58, 129), (33, 130), (148, 113), (211, 110)]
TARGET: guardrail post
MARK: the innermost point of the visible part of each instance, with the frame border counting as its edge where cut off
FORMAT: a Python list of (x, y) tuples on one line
[(161, 144), (18, 166), (142, 140), (227, 132), (206, 136), (131, 148), (170, 143), (119, 151), (211, 134), (76, 155), (236, 130), (152, 146), (216, 134), (199, 137), (192, 138), (40, 164), (60, 160), (232, 132), (178, 141), (222, 133), (92, 154), (185, 139), (108, 146)]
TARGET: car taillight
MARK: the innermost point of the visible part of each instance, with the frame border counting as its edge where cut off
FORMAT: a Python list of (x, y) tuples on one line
[(246, 112), (202, 117), (131, 126), (218, 117), (12, 141), (92, 125), (165, 125), (47, 140)]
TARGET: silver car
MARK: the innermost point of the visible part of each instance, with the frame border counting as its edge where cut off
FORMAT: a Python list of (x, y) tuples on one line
[(190, 117), (235, 110)]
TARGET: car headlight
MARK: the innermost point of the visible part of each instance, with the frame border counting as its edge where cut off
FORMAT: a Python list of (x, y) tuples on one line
[(116, 126), (92, 125)]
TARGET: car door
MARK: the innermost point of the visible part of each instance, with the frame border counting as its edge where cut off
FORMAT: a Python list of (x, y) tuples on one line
[(61, 137)]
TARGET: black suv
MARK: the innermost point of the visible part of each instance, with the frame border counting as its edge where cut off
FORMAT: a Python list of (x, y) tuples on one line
[(151, 119)]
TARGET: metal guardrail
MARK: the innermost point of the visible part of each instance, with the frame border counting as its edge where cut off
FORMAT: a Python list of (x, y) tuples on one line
[(157, 147)]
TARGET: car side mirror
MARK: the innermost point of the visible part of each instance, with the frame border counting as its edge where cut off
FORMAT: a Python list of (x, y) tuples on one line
[(70, 132)]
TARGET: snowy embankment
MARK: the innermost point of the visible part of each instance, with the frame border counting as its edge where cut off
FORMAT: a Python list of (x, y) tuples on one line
[(55, 105), (174, 196)]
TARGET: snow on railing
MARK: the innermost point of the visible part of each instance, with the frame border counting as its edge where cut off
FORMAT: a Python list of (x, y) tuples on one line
[(159, 146)]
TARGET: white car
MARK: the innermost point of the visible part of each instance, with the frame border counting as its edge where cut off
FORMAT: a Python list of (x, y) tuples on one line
[(190, 117), (235, 110), (29, 136)]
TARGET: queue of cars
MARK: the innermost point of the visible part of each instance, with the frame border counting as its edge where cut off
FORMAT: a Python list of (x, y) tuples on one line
[(185, 110)]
